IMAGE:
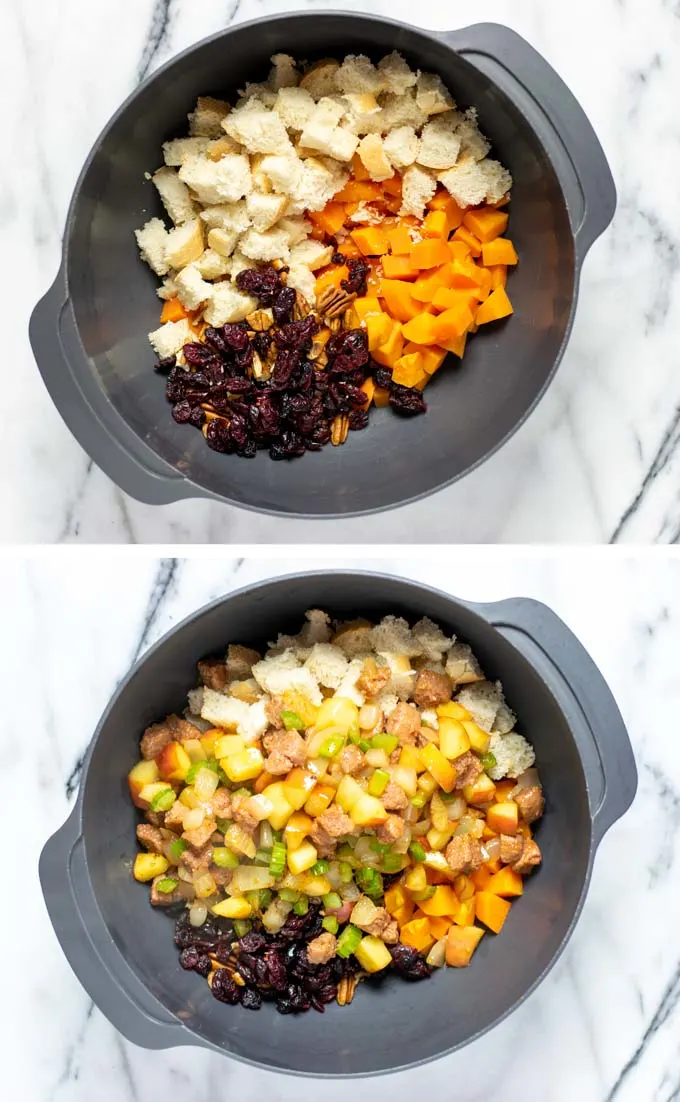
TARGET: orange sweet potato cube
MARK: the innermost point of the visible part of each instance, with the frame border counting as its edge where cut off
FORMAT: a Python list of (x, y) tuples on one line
[(492, 910), (461, 943)]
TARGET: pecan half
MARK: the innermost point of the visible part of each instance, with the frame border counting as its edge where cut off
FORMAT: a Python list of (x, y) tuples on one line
[(346, 989), (339, 429), (302, 308), (260, 320), (333, 302)]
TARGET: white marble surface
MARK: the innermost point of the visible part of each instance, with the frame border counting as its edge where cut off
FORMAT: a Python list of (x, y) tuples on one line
[(603, 1027), (598, 460)]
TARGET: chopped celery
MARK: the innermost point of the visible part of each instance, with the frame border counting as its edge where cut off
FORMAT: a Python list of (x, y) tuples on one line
[(266, 897), (370, 881), (277, 864), (378, 782), (302, 906), (354, 736), (263, 856), (164, 800), (330, 923), (379, 847), (426, 893), (418, 852), (364, 745), (319, 868), (242, 927), (385, 742), (224, 858), (419, 800), (194, 769), (354, 730), (345, 871), (345, 853), (349, 940), (223, 825), (253, 898), (392, 862), (331, 746), (332, 901), (166, 885), (177, 848), (488, 760), (292, 721), (289, 895)]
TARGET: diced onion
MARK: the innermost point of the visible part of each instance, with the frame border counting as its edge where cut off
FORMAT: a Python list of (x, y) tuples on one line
[(365, 853), (251, 878), (527, 779), (334, 878), (406, 778), (364, 912), (436, 958), (194, 818), (465, 826), (275, 915), (401, 845), (493, 848), (377, 758), (198, 912), (412, 814), (421, 827), (204, 885), (456, 808), (266, 836), (369, 717), (350, 892), (206, 783), (185, 874)]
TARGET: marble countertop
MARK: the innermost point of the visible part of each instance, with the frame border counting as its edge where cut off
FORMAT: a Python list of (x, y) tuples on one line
[(603, 1027), (597, 461)]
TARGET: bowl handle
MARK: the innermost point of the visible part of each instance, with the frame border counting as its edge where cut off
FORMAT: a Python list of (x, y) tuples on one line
[(557, 117), (596, 721), (90, 950), (83, 405)]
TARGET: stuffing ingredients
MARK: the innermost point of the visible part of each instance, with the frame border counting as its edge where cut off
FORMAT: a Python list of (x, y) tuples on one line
[(355, 800), (360, 198)]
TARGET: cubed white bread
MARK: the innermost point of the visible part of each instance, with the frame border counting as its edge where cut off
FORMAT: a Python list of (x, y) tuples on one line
[(254, 725), (505, 720), (363, 114), (205, 119), (439, 143), (284, 173), (223, 711), (393, 635), (256, 96), (272, 662), (320, 79), (472, 142), (354, 640), (260, 131), (432, 95), (283, 73), (326, 114), (301, 278), (226, 303), (313, 254), (418, 187), (361, 103), (402, 111), (343, 144), (152, 240), (167, 288), (466, 182), (513, 754), (222, 181), (238, 263), (223, 241), (358, 74), (211, 265), (265, 210), (176, 152), (397, 75), (403, 676), (171, 337), (184, 244), (192, 290), (175, 195), (402, 146), (271, 245), (295, 106), (328, 665), (316, 628), (261, 181), (482, 701), (431, 640), (195, 700), (462, 666), (374, 158), (219, 147), (498, 180), (348, 686), (322, 135), (227, 216), (297, 229), (319, 182)]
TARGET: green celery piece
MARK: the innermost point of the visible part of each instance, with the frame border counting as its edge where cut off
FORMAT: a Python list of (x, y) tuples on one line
[(289, 895), (349, 940), (213, 766), (263, 856), (332, 746), (385, 742), (330, 923), (177, 848), (345, 871), (301, 906), (419, 800), (242, 926), (224, 858), (418, 852), (319, 868), (164, 800), (292, 721), (392, 862), (266, 896), (332, 901), (489, 760), (278, 859), (379, 847), (166, 885)]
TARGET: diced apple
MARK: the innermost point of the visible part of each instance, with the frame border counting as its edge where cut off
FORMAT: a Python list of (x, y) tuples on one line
[(453, 738), (282, 810), (461, 942), (348, 793), (439, 767), (503, 817), (149, 865), (297, 787), (483, 791), (302, 858), (372, 954), (150, 790), (437, 839), (259, 806), (244, 765), (313, 885), (195, 750), (208, 741), (337, 711), (453, 710), (296, 829), (233, 908), (141, 774), (436, 862), (173, 762), (479, 740), (367, 811), (410, 758), (226, 745), (319, 799)]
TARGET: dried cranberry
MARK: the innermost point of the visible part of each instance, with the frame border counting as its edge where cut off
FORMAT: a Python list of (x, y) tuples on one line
[(382, 377), (276, 970), (197, 417), (406, 400), (215, 338), (197, 354), (260, 282), (338, 258), (297, 334), (236, 336), (358, 419), (283, 304), (188, 958), (203, 965), (409, 962), (358, 272), (224, 988), (287, 363), (165, 365), (182, 412), (251, 999), (238, 384), (217, 435), (262, 343)]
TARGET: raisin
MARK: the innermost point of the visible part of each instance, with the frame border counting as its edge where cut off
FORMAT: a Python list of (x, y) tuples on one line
[(358, 272)]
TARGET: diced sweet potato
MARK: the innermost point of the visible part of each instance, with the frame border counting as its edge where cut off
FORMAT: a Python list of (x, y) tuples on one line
[(422, 329), (417, 934), (433, 357), (499, 275), (435, 224), (463, 274), (331, 277), (400, 241), (443, 902), (408, 370), (370, 240), (486, 224), (381, 397), (393, 186), (461, 943), (330, 219), (359, 191), (430, 253), (398, 267), (359, 170), (172, 311), (492, 910), (367, 305), (456, 345), (452, 323), (425, 287), (379, 329), (449, 298), (497, 306), (389, 352), (399, 301), (507, 882), (500, 251), (503, 817), (473, 243), (368, 388)]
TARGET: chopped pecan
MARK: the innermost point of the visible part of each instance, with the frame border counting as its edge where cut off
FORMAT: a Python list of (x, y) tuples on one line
[(333, 302), (339, 429), (346, 989), (260, 320), (302, 308)]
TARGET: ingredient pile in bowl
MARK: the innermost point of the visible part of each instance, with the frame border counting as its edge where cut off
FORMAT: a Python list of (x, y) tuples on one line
[(335, 235), (355, 801)]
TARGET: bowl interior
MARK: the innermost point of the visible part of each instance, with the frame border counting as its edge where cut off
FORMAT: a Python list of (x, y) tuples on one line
[(429, 1018), (473, 406)]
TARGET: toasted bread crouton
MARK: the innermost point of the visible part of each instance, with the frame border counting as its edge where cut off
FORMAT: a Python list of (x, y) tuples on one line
[(271, 245), (295, 106), (313, 254), (498, 180), (227, 304), (256, 96), (462, 666), (205, 119), (418, 187), (323, 135), (260, 130), (374, 159), (175, 195), (238, 263), (363, 114), (176, 152), (211, 265), (219, 147), (402, 111), (192, 290), (439, 143), (265, 210), (431, 640), (152, 240), (402, 146), (466, 182), (283, 73), (223, 711), (171, 337), (301, 279), (222, 241), (328, 664), (297, 229), (184, 244), (283, 172), (167, 288), (222, 181), (320, 79), (358, 74), (319, 182), (472, 141), (227, 216), (397, 76), (432, 95)]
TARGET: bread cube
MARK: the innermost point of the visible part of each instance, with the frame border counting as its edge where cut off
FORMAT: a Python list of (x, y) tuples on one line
[(175, 195), (152, 241)]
